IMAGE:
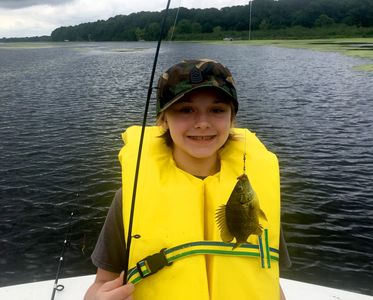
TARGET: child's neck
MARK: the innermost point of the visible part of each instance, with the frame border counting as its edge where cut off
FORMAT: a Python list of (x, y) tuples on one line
[(200, 167)]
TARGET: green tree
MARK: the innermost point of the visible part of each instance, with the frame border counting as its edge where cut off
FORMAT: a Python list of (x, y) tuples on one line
[(323, 21), (140, 34), (152, 31), (196, 27), (266, 14), (207, 27), (362, 12), (184, 26), (264, 25), (217, 30)]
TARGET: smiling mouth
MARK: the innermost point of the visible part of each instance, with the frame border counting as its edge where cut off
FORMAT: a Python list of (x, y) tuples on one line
[(202, 138)]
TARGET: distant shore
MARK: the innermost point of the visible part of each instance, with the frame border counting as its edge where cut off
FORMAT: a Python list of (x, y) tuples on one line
[(356, 47), (289, 33)]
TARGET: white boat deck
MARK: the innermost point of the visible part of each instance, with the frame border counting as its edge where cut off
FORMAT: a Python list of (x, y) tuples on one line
[(75, 288)]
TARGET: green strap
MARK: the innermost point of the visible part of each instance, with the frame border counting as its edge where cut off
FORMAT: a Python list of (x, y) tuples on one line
[(166, 257)]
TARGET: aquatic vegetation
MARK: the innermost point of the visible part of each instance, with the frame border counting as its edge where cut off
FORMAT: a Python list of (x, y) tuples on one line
[(367, 68), (356, 47)]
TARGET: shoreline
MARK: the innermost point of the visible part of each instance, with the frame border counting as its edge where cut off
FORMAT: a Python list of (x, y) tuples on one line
[(354, 47)]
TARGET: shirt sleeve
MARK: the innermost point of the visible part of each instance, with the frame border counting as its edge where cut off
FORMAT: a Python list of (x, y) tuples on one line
[(109, 252)]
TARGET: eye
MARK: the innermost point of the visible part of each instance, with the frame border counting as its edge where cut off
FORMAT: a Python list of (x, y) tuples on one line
[(219, 110), (182, 107), (185, 110)]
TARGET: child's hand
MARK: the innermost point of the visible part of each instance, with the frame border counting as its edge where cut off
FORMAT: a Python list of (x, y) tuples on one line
[(115, 290)]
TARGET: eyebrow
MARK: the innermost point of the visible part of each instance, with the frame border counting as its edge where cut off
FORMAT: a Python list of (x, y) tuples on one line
[(216, 101)]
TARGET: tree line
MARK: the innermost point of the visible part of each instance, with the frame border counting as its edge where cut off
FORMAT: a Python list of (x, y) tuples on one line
[(266, 15)]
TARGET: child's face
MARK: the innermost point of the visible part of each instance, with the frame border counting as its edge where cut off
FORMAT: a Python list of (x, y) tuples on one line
[(199, 124)]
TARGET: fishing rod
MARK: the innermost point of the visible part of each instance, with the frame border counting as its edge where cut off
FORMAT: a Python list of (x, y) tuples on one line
[(129, 235), (56, 286)]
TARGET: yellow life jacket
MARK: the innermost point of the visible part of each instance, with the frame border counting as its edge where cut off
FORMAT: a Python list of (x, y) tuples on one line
[(175, 208)]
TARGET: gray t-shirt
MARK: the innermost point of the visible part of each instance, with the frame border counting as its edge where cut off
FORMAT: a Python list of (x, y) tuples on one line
[(110, 247)]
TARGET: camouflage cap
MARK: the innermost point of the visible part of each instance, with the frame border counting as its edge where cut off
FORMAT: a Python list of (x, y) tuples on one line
[(189, 75)]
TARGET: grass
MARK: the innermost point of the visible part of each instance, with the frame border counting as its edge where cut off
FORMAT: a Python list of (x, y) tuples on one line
[(27, 45), (356, 47)]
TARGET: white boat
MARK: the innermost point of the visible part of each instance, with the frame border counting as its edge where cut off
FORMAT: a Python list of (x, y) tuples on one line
[(75, 288)]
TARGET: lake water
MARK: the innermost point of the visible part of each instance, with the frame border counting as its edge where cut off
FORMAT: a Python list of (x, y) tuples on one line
[(64, 106)]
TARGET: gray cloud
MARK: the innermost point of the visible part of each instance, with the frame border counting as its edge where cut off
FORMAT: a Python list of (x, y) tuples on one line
[(14, 4)]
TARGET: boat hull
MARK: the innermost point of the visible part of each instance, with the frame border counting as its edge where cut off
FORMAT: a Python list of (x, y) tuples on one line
[(75, 288)]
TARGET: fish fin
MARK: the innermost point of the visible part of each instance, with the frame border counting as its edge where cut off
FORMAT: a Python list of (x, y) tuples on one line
[(259, 230), (225, 235), (262, 214), (220, 216)]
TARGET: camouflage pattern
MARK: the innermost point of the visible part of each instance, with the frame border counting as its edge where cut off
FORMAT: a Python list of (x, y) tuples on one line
[(189, 75)]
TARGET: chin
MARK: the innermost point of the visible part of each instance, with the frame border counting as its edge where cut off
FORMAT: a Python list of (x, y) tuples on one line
[(202, 155)]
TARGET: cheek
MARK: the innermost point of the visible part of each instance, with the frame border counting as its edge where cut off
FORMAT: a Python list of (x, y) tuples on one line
[(225, 128), (177, 124), (176, 136), (226, 124), (174, 128)]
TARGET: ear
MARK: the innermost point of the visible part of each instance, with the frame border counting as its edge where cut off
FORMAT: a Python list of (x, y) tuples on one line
[(164, 123), (233, 121)]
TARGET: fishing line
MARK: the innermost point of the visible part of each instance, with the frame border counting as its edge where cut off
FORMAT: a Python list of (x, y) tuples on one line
[(244, 156), (129, 236), (173, 26)]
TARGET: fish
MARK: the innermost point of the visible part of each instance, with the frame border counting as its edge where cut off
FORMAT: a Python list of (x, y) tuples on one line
[(239, 218)]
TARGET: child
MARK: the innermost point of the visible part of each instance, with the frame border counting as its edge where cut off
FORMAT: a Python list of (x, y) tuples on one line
[(190, 164)]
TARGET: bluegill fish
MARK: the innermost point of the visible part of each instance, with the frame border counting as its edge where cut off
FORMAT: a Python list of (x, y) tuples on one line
[(239, 218)]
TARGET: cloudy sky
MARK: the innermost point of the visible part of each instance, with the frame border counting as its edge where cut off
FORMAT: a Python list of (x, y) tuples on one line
[(26, 18)]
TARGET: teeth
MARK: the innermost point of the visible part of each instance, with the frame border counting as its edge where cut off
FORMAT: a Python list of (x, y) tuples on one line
[(201, 138)]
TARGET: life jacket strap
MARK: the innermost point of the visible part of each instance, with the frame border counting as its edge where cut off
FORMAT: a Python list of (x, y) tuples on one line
[(153, 263)]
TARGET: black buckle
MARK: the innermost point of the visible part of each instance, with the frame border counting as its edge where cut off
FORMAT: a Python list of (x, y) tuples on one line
[(154, 263)]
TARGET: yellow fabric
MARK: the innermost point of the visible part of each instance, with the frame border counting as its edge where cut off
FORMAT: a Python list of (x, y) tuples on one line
[(174, 207)]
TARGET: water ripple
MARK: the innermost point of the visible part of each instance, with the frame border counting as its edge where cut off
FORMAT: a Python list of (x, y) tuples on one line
[(62, 110)]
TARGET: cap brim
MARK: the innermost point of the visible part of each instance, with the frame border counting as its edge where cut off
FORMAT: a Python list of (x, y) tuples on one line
[(180, 96)]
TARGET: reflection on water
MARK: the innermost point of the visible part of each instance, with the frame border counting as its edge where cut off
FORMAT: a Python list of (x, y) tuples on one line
[(63, 107)]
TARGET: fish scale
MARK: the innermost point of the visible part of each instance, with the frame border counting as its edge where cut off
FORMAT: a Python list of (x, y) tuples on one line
[(239, 218)]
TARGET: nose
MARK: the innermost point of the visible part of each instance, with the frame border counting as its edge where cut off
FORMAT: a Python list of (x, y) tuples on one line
[(202, 121)]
